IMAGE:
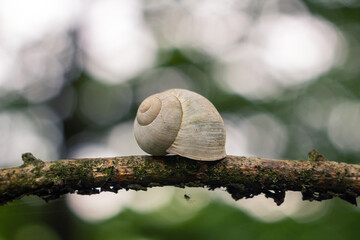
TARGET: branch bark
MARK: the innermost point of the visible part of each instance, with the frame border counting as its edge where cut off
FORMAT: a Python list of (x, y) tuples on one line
[(243, 177)]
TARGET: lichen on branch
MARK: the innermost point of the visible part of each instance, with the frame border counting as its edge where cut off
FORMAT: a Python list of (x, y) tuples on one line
[(243, 177)]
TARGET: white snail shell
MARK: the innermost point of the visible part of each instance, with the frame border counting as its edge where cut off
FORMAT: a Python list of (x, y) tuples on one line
[(182, 122)]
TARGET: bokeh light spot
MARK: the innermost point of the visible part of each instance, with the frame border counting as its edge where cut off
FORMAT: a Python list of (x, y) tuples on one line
[(343, 126), (116, 41), (298, 49), (266, 210), (100, 206), (260, 135), (33, 131)]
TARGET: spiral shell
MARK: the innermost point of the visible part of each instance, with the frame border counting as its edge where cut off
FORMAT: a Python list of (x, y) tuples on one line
[(182, 122)]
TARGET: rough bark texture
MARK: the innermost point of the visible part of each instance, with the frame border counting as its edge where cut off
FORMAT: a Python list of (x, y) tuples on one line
[(317, 178)]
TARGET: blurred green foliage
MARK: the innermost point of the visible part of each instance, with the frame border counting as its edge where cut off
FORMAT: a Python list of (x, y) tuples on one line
[(216, 221)]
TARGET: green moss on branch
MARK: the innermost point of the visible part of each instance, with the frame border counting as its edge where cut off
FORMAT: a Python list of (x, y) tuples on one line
[(243, 177)]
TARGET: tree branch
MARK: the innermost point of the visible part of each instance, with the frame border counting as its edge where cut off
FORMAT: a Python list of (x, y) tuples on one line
[(317, 178)]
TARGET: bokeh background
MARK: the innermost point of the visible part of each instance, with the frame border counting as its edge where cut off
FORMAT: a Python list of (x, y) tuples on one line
[(285, 76)]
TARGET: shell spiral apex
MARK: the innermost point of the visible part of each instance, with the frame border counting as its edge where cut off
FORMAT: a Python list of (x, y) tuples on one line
[(182, 122)]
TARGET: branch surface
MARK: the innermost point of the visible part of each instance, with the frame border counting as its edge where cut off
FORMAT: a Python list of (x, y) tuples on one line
[(243, 177)]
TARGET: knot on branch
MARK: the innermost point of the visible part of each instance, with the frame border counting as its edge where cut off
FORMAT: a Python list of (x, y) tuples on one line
[(29, 159), (315, 156)]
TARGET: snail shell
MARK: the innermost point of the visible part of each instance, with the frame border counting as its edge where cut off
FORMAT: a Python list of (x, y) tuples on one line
[(182, 122)]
